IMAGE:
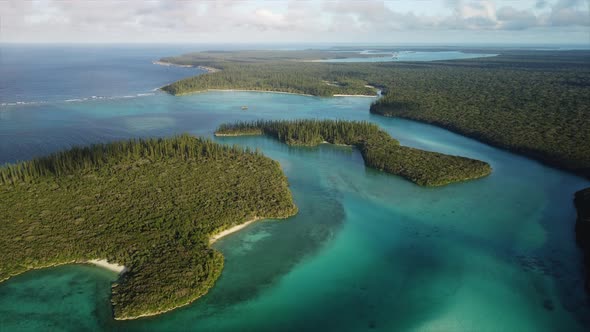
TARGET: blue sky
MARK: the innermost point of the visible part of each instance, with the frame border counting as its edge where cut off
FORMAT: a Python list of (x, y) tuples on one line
[(297, 21)]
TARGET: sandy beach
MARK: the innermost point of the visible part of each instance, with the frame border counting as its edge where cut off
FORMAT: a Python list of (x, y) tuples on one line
[(326, 142), (162, 63), (263, 91), (367, 96), (236, 135), (231, 230), (209, 69), (109, 266)]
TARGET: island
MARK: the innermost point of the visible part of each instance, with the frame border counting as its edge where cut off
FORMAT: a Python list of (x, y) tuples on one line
[(378, 148), (146, 208)]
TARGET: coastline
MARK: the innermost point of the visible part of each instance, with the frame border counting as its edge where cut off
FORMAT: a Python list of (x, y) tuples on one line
[(523, 152), (365, 96), (326, 142), (168, 64), (103, 263), (231, 230), (263, 91), (212, 240), (119, 269), (209, 69), (269, 91)]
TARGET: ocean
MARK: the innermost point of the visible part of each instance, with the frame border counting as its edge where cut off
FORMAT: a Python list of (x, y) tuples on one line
[(368, 251)]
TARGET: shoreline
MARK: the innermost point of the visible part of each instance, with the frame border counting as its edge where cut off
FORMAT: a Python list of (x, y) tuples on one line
[(269, 91), (262, 91), (209, 69), (364, 96), (212, 240), (236, 135), (231, 230), (119, 269), (168, 64), (326, 142)]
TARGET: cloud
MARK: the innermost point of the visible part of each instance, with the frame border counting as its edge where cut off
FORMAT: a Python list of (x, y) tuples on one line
[(138, 20), (541, 4), (513, 19), (569, 13)]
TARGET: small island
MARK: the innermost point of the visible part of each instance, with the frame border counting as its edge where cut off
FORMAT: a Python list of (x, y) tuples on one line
[(379, 150), (147, 208)]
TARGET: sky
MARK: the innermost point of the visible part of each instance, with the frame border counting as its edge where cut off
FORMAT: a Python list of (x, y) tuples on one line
[(297, 21)]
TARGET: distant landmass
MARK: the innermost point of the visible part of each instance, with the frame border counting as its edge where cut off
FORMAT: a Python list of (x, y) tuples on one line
[(515, 100)]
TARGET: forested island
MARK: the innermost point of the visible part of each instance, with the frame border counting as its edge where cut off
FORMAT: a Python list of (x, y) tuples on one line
[(379, 150), (535, 103), (151, 205)]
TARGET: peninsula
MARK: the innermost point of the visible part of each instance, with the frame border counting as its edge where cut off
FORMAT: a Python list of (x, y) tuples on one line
[(379, 150), (146, 208)]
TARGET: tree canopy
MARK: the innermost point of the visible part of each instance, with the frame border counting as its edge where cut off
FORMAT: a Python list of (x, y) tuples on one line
[(149, 204), (379, 150)]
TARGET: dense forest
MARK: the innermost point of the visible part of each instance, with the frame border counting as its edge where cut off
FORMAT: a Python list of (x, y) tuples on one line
[(582, 202), (289, 77), (379, 150), (150, 205), (532, 102)]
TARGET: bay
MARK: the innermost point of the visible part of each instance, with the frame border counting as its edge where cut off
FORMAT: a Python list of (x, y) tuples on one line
[(367, 251)]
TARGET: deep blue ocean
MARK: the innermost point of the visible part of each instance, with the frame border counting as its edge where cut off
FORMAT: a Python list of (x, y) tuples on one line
[(37, 73), (368, 251)]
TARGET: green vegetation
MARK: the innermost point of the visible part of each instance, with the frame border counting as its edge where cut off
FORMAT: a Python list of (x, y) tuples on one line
[(291, 77), (378, 149), (150, 205), (540, 111), (255, 56), (536, 103), (582, 202)]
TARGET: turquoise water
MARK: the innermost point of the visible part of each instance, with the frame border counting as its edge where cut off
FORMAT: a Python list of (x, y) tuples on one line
[(367, 252), (412, 56)]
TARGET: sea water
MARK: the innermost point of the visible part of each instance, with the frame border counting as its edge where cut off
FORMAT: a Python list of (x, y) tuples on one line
[(368, 251), (411, 56)]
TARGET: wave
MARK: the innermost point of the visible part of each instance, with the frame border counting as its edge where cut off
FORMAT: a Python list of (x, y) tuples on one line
[(75, 100)]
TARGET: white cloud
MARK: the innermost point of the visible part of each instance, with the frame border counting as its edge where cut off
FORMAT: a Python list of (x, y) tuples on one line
[(294, 20)]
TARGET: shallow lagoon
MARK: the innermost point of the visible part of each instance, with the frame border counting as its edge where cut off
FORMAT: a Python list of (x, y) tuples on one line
[(368, 251), (411, 56)]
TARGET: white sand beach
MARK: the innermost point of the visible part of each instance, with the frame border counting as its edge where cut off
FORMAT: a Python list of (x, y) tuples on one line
[(231, 230), (367, 96), (162, 63), (209, 69), (120, 269)]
